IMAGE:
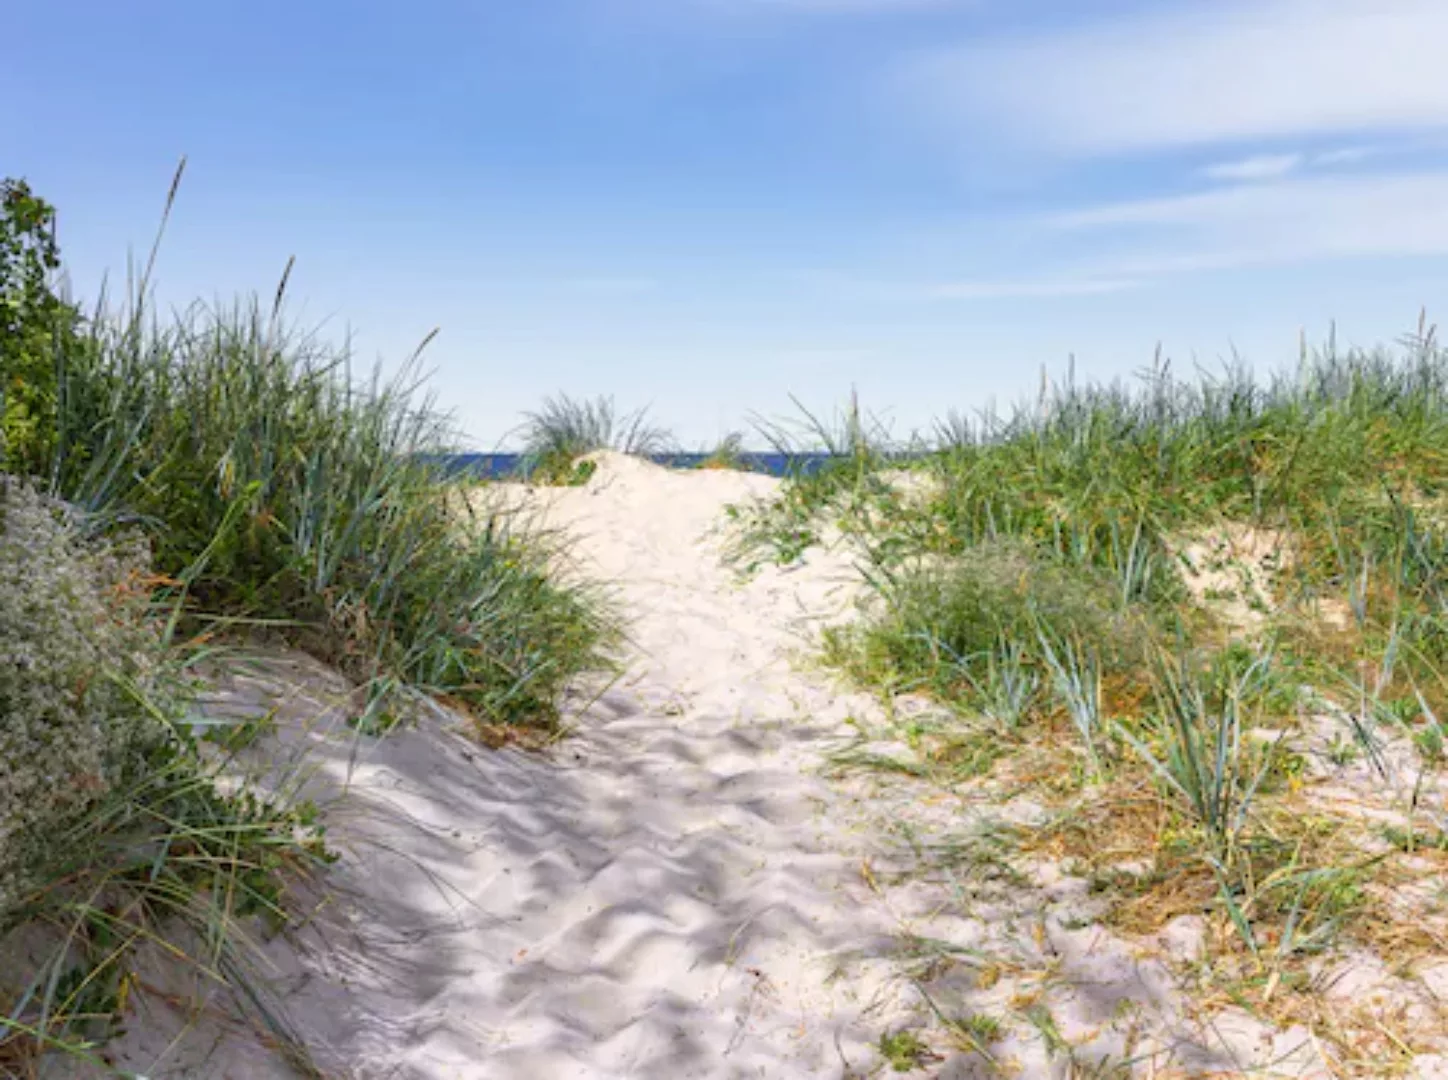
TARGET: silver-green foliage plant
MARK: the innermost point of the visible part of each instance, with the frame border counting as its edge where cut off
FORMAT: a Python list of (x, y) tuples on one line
[(116, 833), (77, 654)]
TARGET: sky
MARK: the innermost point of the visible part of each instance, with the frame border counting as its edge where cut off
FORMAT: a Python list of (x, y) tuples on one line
[(713, 207)]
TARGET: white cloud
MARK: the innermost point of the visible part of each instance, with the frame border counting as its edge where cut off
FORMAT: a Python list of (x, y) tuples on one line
[(1347, 155), (1261, 167), (1287, 221), (1204, 74), (1055, 287)]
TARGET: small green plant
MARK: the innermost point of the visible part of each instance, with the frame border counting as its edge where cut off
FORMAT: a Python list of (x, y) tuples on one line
[(1342, 751), (1008, 690), (982, 1028), (772, 533), (1430, 744), (904, 1050), (582, 473), (1271, 688), (1309, 899), (1208, 758), (1039, 1015), (1411, 840), (1076, 676)]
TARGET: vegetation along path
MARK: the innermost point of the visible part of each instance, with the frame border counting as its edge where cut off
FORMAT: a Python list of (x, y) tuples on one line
[(685, 886)]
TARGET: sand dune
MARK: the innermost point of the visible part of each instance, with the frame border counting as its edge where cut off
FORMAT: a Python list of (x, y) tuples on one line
[(676, 890)]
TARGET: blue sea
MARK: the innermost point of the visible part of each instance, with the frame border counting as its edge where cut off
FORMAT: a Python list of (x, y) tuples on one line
[(497, 466)]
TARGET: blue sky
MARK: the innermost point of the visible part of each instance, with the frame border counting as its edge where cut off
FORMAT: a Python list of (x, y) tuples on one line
[(710, 205)]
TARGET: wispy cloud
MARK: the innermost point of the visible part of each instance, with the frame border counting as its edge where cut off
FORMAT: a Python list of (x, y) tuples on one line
[(1347, 155), (1277, 166), (1204, 74), (1053, 287), (1296, 219), (1261, 167)]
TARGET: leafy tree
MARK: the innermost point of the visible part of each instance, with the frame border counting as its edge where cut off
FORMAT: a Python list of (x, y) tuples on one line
[(36, 325)]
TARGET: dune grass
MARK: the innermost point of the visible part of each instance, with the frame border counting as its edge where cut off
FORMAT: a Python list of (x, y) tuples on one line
[(271, 490), (1157, 595), (835, 468), (728, 454), (277, 489), (566, 429), (280, 487)]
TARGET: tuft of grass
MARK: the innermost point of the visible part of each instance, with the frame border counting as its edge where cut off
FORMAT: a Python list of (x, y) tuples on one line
[(990, 630), (566, 429), (981, 1028), (834, 469), (728, 454), (1076, 677), (904, 1051), (1204, 753)]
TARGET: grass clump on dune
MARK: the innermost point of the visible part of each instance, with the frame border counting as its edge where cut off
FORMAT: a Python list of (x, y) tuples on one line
[(566, 430), (279, 488), (728, 454), (946, 625)]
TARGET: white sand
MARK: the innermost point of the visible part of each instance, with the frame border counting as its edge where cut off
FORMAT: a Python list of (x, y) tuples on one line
[(676, 891)]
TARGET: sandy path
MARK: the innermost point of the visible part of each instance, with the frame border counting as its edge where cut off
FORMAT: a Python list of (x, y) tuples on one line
[(672, 893)]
